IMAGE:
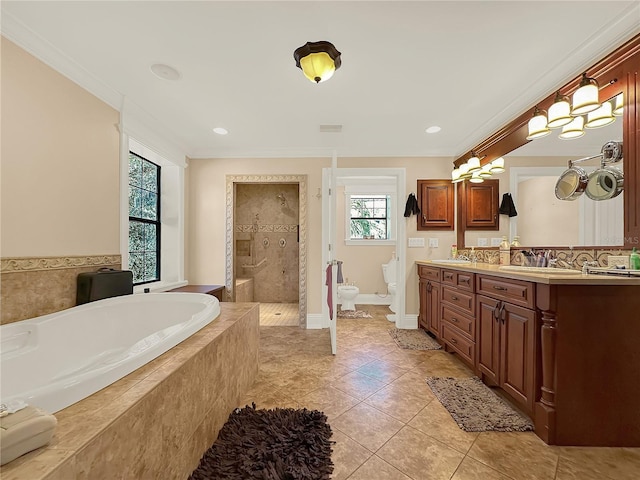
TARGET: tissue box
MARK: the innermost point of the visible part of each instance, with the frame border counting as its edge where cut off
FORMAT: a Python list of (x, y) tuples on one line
[(23, 431)]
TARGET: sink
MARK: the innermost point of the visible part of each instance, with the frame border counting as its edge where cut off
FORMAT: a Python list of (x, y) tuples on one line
[(453, 262), (547, 270)]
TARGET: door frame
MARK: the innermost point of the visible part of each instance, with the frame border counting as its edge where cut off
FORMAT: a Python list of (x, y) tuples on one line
[(230, 278), (401, 186)]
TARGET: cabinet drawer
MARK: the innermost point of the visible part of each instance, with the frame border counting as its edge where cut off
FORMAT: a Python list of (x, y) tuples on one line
[(462, 280), (466, 324), (517, 292), (454, 296), (458, 342), (429, 273)]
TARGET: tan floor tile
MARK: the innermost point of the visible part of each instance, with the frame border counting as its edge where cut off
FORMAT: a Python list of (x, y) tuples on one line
[(420, 456), (369, 427), (330, 400), (587, 463), (358, 385), (414, 382), (347, 455), (381, 370), (520, 455), (436, 421), (471, 469), (397, 403), (376, 468)]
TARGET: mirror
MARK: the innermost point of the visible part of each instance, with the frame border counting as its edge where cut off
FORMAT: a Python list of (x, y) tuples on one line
[(532, 172)]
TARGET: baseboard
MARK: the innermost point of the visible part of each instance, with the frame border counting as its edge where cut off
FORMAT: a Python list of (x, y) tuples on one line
[(315, 321), (409, 321)]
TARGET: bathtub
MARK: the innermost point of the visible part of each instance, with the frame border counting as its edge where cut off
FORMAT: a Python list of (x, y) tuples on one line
[(55, 360)]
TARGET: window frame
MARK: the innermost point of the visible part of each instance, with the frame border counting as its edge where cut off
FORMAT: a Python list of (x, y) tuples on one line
[(157, 222), (390, 199)]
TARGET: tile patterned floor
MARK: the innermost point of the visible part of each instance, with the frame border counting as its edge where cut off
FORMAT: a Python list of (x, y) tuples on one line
[(279, 314), (386, 422)]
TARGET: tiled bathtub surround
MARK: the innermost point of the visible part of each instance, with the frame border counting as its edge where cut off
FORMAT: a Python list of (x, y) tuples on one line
[(159, 420), (34, 286)]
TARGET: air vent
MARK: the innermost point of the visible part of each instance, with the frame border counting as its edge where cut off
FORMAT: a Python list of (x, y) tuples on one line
[(331, 128)]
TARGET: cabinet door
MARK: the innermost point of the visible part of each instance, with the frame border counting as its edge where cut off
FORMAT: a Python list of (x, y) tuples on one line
[(433, 314), (517, 353), (482, 205), (488, 338), (423, 315), (435, 198)]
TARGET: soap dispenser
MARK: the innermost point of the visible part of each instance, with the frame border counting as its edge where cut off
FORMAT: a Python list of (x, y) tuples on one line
[(505, 252), (634, 260)]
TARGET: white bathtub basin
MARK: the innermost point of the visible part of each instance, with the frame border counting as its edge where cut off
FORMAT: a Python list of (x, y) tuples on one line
[(453, 262), (546, 270)]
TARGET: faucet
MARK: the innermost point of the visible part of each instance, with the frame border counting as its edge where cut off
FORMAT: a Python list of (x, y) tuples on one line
[(586, 264)]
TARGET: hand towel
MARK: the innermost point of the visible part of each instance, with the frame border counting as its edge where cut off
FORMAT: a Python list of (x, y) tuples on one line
[(411, 208), (507, 206), (328, 283), (339, 278)]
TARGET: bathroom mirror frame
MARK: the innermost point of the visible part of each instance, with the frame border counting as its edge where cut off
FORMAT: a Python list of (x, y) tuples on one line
[(618, 72)]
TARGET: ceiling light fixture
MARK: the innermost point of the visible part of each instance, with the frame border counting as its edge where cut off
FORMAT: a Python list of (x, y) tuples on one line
[(538, 124), (585, 99), (433, 129), (476, 178), (473, 162), (165, 72), (455, 176), (220, 131), (317, 60), (559, 112)]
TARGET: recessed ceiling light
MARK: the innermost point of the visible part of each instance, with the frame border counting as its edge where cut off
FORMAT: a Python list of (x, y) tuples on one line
[(165, 71), (220, 131), (434, 129)]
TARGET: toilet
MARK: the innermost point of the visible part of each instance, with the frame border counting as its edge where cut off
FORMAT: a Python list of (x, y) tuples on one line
[(348, 294), (389, 273)]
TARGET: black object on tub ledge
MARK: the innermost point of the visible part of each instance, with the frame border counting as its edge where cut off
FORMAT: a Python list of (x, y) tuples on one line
[(105, 283)]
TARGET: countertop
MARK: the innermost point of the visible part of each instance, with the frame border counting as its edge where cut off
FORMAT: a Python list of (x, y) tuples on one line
[(537, 277)]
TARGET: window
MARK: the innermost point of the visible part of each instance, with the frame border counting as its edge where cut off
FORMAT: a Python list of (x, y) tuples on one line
[(369, 217), (144, 219)]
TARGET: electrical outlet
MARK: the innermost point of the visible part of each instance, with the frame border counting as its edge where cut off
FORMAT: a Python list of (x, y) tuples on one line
[(416, 242), (433, 242), (483, 242), (495, 241)]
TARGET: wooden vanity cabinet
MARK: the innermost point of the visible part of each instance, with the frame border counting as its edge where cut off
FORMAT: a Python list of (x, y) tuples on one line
[(506, 337), (457, 314), (429, 287)]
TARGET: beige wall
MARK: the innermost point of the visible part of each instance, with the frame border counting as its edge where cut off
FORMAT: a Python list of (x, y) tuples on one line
[(60, 163), (60, 201), (205, 228)]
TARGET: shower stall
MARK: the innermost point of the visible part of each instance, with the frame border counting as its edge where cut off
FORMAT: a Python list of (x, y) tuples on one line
[(265, 244)]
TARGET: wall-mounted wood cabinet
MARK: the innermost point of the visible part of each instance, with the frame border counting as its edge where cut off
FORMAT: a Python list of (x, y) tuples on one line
[(481, 205), (435, 199)]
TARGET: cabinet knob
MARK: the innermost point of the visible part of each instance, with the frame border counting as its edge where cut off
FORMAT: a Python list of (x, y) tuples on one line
[(454, 298), (454, 319), (498, 287), (454, 341)]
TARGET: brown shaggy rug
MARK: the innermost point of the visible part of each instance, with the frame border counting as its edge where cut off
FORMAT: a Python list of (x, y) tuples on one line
[(414, 339), (278, 444), (475, 408)]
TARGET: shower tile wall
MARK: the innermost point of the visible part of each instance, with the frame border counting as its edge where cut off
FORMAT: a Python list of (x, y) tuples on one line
[(266, 240)]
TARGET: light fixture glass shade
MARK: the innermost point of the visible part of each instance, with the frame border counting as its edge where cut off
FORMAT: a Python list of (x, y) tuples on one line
[(485, 171), (476, 178), (585, 99), (573, 130), (497, 166), (600, 117), (455, 176), (619, 105), (538, 125), (474, 163), (318, 60), (464, 171), (560, 112)]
